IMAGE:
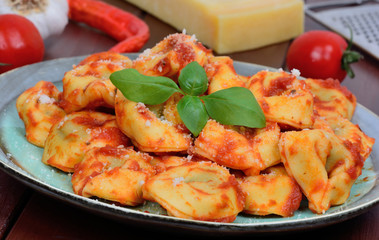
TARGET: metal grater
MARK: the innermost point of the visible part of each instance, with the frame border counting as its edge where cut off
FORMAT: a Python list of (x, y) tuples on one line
[(362, 19)]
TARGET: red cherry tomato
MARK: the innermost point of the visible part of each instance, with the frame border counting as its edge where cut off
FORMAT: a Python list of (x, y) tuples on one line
[(320, 54), (20, 42)]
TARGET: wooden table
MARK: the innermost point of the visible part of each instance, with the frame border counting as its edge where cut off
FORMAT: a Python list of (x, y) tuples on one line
[(28, 214)]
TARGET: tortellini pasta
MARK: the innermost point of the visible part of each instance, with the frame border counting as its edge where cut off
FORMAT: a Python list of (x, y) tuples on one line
[(87, 86), (304, 155), (324, 164), (170, 55), (331, 99), (146, 130), (76, 133), (284, 98), (197, 190), (243, 149), (221, 74), (129, 152), (226, 147), (272, 192), (113, 173), (39, 109)]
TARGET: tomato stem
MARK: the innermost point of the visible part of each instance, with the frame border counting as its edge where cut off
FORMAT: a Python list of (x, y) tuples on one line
[(349, 57)]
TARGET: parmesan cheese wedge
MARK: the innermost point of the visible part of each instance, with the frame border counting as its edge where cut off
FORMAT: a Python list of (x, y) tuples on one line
[(231, 25)]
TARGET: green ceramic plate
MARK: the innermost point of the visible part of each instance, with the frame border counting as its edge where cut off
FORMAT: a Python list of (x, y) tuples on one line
[(23, 161)]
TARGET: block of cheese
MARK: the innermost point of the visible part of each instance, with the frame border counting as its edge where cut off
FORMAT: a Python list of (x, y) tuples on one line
[(229, 26)]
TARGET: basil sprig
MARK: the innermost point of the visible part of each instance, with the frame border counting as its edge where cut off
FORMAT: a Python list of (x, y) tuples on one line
[(232, 106)]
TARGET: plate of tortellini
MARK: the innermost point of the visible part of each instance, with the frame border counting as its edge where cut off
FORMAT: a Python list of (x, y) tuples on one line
[(67, 131)]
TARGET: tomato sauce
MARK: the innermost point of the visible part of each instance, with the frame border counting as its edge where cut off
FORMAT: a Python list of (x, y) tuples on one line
[(335, 84), (293, 200), (278, 86)]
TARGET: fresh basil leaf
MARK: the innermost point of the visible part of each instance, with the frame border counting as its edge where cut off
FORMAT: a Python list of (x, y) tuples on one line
[(235, 106), (146, 89), (193, 79), (192, 112)]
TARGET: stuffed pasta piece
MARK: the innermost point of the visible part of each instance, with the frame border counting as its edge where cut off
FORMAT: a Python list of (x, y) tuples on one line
[(87, 86), (284, 98), (171, 55), (350, 149), (197, 190), (251, 150), (149, 130), (78, 132), (113, 173), (271, 192), (325, 161), (350, 132), (331, 99), (38, 108), (221, 74), (304, 155)]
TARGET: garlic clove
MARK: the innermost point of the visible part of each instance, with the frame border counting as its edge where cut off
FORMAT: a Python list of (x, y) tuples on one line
[(49, 16)]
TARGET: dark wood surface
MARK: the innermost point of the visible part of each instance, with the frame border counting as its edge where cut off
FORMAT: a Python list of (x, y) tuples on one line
[(29, 214)]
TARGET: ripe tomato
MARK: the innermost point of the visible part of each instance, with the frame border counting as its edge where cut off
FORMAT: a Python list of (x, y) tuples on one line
[(20, 42), (321, 54)]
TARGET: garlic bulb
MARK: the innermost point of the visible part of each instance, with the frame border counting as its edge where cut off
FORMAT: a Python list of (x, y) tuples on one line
[(49, 16)]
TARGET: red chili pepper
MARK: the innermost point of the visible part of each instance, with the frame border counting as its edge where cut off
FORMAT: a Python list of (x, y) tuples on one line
[(131, 32)]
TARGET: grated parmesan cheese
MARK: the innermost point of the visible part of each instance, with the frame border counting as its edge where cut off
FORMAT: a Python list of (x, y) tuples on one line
[(164, 121), (295, 72), (60, 124), (44, 99), (177, 181), (140, 105)]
